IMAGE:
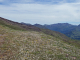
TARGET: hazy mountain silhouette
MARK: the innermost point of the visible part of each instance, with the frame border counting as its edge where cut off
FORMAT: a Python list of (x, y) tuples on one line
[(72, 31)]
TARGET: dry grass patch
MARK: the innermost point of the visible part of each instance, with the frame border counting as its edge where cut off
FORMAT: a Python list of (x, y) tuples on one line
[(31, 45)]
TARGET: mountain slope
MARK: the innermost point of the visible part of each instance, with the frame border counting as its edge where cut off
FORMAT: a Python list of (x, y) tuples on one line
[(75, 34), (72, 31), (28, 44), (19, 26), (61, 27), (16, 25), (40, 26)]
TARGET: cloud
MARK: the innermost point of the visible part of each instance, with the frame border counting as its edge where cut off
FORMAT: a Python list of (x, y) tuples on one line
[(42, 13), (1, 0), (40, 1)]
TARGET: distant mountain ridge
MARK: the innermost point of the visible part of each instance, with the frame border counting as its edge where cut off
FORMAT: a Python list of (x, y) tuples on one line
[(61, 27), (72, 31), (40, 26), (29, 27)]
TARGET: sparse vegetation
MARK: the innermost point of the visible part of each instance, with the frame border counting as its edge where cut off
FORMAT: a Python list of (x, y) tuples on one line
[(34, 45), (31, 45)]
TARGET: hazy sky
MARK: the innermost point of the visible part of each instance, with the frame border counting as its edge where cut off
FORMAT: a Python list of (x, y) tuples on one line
[(41, 11)]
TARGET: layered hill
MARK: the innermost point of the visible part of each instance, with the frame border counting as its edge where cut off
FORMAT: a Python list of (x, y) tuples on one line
[(61, 27), (23, 27), (21, 42), (74, 34), (72, 31)]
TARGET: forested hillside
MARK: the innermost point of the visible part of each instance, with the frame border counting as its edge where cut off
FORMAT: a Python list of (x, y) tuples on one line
[(72, 31)]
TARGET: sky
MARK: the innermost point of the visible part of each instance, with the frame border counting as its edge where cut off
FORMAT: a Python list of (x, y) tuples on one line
[(41, 11)]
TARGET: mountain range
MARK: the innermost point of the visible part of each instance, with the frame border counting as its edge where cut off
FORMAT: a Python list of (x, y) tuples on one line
[(72, 31), (28, 42)]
